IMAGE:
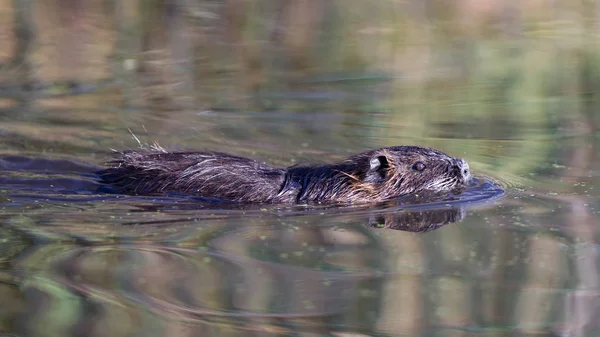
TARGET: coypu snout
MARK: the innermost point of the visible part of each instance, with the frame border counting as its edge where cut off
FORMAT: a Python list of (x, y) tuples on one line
[(461, 169)]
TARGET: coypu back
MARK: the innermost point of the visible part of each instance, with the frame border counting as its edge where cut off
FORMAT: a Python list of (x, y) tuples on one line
[(207, 174), (371, 176)]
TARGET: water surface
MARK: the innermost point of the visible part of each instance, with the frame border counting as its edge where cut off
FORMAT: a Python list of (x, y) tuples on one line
[(76, 260)]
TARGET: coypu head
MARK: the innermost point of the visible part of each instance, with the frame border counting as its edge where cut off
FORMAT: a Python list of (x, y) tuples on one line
[(396, 171)]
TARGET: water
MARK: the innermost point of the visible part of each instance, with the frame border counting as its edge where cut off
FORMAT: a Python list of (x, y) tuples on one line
[(300, 82), (514, 252)]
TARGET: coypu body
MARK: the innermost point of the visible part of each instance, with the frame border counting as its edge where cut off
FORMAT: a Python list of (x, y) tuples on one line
[(371, 176)]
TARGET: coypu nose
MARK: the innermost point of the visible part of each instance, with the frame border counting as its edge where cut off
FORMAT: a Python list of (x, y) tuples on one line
[(463, 167)]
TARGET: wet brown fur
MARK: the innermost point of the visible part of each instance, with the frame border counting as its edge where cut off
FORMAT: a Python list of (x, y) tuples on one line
[(367, 177)]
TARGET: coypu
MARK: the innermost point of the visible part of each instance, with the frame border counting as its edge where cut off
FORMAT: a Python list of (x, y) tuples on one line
[(371, 176)]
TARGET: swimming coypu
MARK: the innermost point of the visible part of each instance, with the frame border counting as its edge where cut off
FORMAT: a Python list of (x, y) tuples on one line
[(371, 176)]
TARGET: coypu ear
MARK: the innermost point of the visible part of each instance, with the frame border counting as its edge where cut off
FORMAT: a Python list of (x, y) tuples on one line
[(378, 166)]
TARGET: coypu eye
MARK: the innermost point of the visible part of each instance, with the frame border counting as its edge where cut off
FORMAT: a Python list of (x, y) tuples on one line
[(419, 166)]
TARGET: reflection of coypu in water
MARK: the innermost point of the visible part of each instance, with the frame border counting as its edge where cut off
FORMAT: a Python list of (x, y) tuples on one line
[(418, 221), (367, 177)]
